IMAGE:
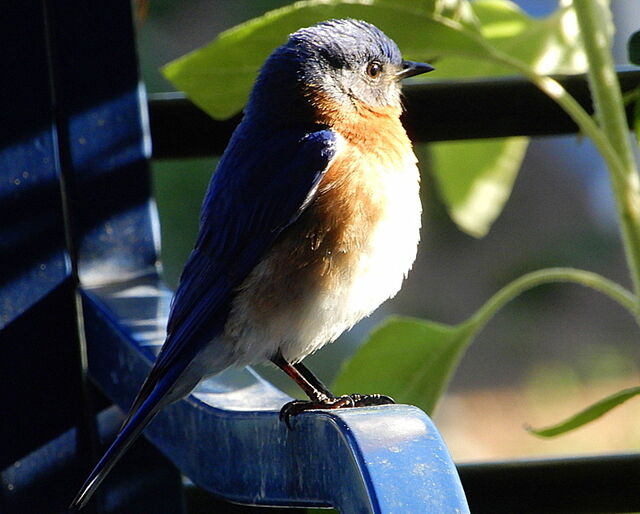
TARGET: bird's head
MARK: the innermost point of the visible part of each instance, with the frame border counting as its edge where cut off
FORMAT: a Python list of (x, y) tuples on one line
[(338, 65)]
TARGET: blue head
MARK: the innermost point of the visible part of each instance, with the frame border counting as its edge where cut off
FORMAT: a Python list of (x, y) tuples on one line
[(348, 64)]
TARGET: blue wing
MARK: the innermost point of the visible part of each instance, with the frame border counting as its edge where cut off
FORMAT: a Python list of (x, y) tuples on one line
[(261, 186), (263, 183)]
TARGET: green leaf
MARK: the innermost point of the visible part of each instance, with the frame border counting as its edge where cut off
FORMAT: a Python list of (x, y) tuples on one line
[(218, 77), (633, 48), (475, 178), (587, 415), (548, 45), (409, 359)]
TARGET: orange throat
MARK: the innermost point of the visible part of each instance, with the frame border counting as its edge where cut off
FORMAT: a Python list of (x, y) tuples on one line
[(365, 126)]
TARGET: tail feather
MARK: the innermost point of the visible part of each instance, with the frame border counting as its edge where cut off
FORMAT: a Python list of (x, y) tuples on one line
[(125, 438), (139, 417)]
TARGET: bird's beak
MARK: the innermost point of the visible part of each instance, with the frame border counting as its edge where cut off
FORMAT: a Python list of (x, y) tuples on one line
[(411, 69)]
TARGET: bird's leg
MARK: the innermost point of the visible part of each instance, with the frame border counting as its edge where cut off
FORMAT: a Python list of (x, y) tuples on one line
[(319, 395), (312, 379), (313, 388)]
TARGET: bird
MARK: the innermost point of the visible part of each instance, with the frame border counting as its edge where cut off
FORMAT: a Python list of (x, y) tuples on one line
[(310, 221)]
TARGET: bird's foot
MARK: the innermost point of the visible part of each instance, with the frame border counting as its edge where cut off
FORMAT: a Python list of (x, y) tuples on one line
[(341, 402)]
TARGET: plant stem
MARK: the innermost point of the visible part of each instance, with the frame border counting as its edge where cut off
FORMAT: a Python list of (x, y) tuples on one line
[(592, 19), (530, 280), (559, 94)]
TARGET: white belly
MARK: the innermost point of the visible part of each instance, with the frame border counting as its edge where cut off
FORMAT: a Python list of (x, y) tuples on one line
[(392, 247)]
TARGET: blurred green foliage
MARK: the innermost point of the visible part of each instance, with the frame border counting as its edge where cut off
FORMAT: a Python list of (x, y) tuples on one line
[(179, 190)]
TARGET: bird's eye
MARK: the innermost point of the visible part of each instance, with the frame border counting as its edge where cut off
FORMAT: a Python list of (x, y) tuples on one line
[(374, 69)]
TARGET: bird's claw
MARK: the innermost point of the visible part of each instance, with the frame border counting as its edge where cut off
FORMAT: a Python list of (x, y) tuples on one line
[(370, 400), (341, 402)]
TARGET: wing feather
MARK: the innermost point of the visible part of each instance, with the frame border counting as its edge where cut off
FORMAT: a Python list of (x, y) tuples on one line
[(260, 188)]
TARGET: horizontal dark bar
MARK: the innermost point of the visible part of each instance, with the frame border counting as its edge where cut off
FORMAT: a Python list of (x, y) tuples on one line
[(179, 129), (607, 483), (436, 111)]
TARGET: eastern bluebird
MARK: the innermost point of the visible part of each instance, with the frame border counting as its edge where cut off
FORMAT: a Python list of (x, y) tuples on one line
[(310, 222)]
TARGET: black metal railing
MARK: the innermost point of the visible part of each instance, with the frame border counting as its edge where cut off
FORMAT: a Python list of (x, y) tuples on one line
[(435, 111)]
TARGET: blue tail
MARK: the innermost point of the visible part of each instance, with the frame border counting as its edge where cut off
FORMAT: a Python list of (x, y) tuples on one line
[(143, 411)]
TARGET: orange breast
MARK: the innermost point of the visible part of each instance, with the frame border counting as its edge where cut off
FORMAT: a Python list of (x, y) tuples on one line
[(321, 248), (348, 251), (351, 199)]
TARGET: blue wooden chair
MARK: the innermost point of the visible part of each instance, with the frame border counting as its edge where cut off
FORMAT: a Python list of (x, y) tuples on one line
[(80, 297)]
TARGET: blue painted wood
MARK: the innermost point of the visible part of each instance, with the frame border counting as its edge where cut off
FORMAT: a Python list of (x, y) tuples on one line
[(101, 119), (34, 326), (41, 481), (71, 124), (228, 439), (103, 154), (32, 251)]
